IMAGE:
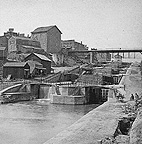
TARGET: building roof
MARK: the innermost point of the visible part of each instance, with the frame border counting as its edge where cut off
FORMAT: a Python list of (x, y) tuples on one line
[(31, 62), (118, 56), (2, 48), (32, 47), (33, 65), (24, 38), (15, 64), (42, 57), (26, 54), (68, 40), (18, 38), (44, 29)]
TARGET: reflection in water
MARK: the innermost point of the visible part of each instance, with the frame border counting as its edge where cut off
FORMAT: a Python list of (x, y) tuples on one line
[(36, 122)]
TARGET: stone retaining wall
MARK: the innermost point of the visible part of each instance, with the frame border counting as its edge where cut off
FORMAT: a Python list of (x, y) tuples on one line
[(94, 126)]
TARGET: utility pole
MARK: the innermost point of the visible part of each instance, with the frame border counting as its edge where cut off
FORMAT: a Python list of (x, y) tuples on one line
[(141, 69), (2, 61)]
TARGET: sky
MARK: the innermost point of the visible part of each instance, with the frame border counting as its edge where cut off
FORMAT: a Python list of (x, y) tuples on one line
[(97, 23)]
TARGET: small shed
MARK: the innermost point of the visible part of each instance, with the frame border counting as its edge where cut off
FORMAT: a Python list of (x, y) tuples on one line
[(36, 68), (16, 70), (45, 61)]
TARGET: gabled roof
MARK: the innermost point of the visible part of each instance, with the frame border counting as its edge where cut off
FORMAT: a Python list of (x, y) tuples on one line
[(118, 56), (42, 57), (32, 47), (33, 64), (22, 38), (15, 64), (44, 29), (2, 48)]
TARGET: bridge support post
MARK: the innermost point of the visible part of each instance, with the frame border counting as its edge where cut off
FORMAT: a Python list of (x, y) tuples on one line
[(123, 54), (91, 57), (112, 55)]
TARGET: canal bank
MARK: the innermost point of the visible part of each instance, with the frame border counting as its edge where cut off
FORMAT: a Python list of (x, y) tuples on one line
[(35, 122), (94, 126), (102, 122)]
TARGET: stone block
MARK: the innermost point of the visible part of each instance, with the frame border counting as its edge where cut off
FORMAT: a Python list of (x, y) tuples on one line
[(57, 99)]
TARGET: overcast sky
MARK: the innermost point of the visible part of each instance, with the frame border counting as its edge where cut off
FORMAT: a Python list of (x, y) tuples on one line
[(97, 23)]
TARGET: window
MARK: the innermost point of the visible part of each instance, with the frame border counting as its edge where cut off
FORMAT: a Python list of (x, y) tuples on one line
[(104, 92)]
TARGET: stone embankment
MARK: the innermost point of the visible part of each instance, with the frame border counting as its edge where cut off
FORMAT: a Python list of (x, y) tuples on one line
[(116, 121)]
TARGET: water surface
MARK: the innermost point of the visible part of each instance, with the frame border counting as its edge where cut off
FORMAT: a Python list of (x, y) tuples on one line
[(36, 122)]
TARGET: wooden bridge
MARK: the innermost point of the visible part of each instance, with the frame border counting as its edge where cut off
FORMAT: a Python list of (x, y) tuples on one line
[(93, 52)]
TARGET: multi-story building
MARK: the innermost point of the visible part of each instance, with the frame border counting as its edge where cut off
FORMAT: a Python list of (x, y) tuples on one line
[(73, 45), (49, 37), (23, 44), (101, 57), (3, 48), (16, 42), (50, 40)]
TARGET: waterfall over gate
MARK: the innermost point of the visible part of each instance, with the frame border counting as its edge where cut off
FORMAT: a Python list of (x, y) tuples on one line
[(44, 92)]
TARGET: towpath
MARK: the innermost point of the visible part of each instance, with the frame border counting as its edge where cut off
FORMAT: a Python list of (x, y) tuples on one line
[(102, 121)]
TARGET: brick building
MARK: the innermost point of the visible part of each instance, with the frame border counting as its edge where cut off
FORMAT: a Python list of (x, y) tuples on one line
[(23, 45), (19, 43), (73, 45), (3, 41), (103, 57), (3, 47)]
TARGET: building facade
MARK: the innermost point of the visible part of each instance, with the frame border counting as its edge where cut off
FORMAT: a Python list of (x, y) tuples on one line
[(16, 70), (3, 47), (49, 37), (103, 57), (23, 45), (13, 42), (41, 59), (73, 45)]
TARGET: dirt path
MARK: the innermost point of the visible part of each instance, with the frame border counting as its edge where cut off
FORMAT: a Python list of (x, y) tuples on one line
[(133, 82)]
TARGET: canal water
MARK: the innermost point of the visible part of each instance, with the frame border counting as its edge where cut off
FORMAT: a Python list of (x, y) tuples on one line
[(37, 121)]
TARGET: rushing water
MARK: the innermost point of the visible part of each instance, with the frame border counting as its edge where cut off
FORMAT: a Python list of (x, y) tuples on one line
[(36, 122)]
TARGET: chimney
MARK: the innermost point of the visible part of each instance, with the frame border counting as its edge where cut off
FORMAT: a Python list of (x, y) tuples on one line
[(22, 35), (11, 29)]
